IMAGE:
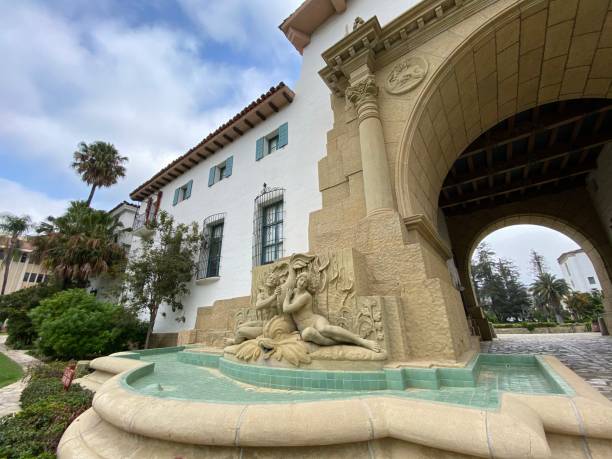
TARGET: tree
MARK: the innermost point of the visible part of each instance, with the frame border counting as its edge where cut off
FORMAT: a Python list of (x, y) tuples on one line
[(99, 165), (549, 290), (160, 271), (483, 272), (512, 301), (585, 306), (498, 287), (538, 265), (80, 244), (13, 227)]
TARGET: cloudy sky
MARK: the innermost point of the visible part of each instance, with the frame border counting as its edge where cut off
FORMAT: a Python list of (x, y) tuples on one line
[(516, 242), (153, 77)]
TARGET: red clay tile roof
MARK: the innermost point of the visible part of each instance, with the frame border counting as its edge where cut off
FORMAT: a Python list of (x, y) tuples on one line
[(268, 103)]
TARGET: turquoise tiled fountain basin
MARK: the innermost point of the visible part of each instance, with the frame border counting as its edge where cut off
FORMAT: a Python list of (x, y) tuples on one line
[(181, 374)]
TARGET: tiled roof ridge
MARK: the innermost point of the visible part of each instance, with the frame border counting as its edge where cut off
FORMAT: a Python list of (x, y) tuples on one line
[(273, 90)]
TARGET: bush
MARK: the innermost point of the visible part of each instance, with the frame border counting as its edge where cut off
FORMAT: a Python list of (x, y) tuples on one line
[(74, 325), (16, 308), (47, 411)]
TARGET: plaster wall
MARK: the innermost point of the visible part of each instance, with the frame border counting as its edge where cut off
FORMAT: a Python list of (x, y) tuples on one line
[(293, 168), (576, 269)]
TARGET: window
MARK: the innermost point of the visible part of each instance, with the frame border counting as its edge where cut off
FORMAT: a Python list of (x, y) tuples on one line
[(32, 277), (272, 239), (268, 222), (210, 254), (26, 276), (591, 280), (24, 258), (272, 142), (40, 278), (220, 171), (182, 193)]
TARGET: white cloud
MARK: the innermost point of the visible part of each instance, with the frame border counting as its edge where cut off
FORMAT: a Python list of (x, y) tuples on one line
[(251, 24), (146, 89), (18, 200)]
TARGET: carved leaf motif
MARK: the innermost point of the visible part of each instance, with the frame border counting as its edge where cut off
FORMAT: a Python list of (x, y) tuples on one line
[(248, 350)]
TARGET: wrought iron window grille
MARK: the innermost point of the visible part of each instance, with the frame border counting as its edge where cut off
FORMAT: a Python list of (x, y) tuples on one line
[(268, 221), (209, 261)]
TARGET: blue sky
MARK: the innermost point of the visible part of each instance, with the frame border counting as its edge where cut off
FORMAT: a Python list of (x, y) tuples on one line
[(153, 77)]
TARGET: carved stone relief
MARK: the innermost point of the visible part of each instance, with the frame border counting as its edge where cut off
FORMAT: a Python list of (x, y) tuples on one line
[(406, 75), (362, 91), (323, 285)]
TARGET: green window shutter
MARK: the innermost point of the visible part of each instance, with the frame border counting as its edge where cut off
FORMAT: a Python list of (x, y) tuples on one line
[(229, 164), (177, 193), (188, 189), (211, 175), (283, 135), (259, 149)]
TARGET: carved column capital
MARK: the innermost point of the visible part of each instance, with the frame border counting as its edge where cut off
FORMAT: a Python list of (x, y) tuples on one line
[(361, 92)]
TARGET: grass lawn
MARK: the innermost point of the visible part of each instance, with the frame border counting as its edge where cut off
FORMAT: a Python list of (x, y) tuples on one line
[(9, 371)]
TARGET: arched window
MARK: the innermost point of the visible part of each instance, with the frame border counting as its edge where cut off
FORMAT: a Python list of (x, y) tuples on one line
[(269, 217), (209, 263)]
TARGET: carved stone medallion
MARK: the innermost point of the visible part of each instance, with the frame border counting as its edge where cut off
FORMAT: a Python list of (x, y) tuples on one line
[(406, 75)]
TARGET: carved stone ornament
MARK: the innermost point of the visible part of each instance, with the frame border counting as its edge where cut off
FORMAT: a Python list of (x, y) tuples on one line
[(358, 22), (406, 75), (362, 91)]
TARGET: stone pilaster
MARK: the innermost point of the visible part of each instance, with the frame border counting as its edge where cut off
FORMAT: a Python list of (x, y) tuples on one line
[(377, 182)]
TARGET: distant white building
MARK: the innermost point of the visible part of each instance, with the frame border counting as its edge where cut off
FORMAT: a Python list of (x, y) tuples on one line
[(578, 271), (103, 286)]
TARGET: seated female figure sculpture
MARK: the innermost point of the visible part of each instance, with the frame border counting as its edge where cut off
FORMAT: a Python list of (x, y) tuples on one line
[(268, 298), (314, 327)]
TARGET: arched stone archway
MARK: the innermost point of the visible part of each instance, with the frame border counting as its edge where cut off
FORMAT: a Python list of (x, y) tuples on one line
[(467, 239), (526, 54), (390, 151)]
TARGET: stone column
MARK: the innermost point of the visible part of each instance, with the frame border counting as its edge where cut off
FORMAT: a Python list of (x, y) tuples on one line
[(376, 180)]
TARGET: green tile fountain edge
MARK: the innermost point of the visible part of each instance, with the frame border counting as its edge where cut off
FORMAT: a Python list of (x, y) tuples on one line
[(436, 385), (553, 377)]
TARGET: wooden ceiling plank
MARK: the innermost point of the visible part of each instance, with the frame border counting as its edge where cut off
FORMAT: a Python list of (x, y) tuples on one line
[(533, 181), (526, 128), (521, 161)]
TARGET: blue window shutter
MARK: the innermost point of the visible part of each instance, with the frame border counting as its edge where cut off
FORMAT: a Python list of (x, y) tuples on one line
[(259, 149), (177, 193), (211, 175), (229, 163), (283, 135), (188, 189)]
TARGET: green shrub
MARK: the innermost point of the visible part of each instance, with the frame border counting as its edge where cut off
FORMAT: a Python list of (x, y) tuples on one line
[(16, 308), (530, 326), (47, 411), (74, 325)]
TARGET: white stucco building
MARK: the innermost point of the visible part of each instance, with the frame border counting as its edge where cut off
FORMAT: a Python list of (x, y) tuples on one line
[(276, 140), (578, 271)]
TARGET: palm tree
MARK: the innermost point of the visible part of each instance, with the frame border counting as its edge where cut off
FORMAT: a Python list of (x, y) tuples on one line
[(14, 227), (550, 290), (80, 244), (99, 165)]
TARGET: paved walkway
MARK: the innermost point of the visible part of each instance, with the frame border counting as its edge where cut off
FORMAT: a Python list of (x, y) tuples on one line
[(588, 354), (9, 395)]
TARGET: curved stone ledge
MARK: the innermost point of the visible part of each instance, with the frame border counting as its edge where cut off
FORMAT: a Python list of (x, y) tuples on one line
[(447, 427), (517, 429)]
